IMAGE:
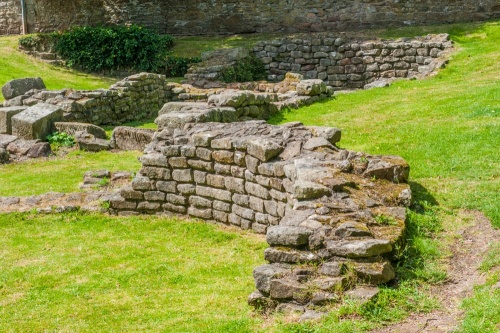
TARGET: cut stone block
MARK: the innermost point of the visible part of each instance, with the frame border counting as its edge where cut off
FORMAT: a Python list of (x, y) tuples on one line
[(19, 87), (36, 121), (288, 236), (6, 115), (359, 248), (71, 128), (130, 138)]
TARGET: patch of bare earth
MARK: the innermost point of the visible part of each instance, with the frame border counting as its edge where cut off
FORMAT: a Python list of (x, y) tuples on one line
[(467, 252)]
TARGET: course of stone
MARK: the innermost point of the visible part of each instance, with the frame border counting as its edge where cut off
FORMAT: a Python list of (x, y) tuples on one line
[(244, 16)]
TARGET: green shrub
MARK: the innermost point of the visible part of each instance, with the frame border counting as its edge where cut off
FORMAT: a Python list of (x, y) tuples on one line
[(61, 139), (178, 66), (104, 48), (247, 69)]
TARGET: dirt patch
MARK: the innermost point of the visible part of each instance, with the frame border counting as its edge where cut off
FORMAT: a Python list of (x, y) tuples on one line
[(467, 252)]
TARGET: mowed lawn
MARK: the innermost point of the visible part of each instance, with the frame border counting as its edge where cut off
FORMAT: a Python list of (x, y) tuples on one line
[(95, 273)]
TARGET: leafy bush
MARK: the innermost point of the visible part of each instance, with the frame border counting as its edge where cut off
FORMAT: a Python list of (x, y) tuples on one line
[(61, 139), (104, 48), (178, 66), (247, 69)]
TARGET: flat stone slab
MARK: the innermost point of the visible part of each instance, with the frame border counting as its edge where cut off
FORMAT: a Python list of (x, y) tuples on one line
[(130, 138), (6, 115), (36, 121), (72, 127), (19, 87)]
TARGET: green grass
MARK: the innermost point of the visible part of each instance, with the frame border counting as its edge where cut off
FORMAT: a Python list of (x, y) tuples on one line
[(15, 65), (93, 273), (61, 174)]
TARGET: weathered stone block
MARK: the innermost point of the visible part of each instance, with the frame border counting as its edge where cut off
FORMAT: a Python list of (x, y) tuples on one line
[(286, 289), (154, 196), (127, 138), (288, 236), (265, 273), (6, 115), (201, 213), (200, 202), (175, 199), (216, 180), (143, 183), (257, 190), (154, 159), (359, 248), (263, 149), (36, 121), (235, 184), (182, 175), (167, 186)]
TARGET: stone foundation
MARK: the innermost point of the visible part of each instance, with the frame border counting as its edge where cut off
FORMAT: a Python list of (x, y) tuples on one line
[(333, 218)]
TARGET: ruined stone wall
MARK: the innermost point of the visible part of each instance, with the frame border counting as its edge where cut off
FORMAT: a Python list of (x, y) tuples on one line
[(229, 16), (346, 64), (10, 17), (136, 97), (332, 217)]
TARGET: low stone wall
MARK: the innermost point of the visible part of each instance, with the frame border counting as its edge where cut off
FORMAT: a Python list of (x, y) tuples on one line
[(141, 96), (333, 217), (136, 97), (345, 64)]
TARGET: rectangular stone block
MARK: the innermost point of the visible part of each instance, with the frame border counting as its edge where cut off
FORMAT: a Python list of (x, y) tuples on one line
[(204, 154), (252, 163), (167, 206), (235, 184), (122, 204), (256, 204), (156, 173), (6, 115), (154, 160), (209, 192), (175, 199), (200, 177), (170, 187), (222, 169), (148, 206), (223, 156), (186, 189), (36, 121), (216, 181), (257, 190), (271, 207), (178, 162), (262, 180), (242, 212), (154, 196), (266, 169), (224, 143), (220, 216), (183, 175), (241, 199), (222, 206), (201, 165), (129, 193), (143, 183), (201, 213), (234, 219), (200, 202), (237, 171)]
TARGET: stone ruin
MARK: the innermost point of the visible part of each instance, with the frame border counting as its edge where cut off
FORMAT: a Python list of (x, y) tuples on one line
[(339, 61), (334, 218), (30, 112)]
